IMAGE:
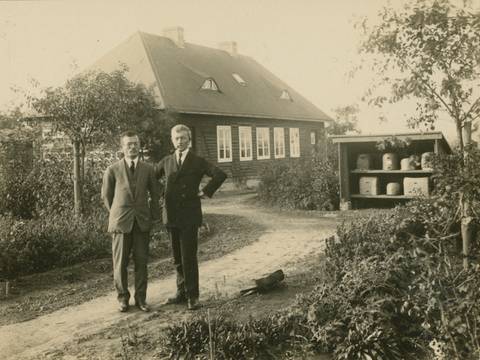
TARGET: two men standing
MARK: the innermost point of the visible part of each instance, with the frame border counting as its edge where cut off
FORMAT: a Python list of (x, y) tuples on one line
[(127, 186)]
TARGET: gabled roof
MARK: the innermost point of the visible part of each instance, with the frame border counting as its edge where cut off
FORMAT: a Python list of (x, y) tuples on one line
[(178, 73)]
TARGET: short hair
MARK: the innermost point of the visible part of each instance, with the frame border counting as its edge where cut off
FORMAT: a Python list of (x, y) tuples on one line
[(181, 128), (128, 133)]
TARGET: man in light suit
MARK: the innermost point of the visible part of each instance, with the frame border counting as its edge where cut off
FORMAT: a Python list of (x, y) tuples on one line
[(130, 193), (182, 212)]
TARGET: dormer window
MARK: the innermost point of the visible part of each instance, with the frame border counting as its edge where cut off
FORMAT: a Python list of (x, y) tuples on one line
[(210, 84), (239, 79), (286, 96)]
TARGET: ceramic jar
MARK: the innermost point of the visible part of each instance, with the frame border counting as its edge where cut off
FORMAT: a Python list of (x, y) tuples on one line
[(390, 161)]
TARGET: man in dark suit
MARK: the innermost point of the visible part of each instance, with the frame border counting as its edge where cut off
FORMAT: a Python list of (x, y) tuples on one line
[(131, 195), (182, 212)]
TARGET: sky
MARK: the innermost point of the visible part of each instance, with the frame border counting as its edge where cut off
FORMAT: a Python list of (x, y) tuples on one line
[(310, 44)]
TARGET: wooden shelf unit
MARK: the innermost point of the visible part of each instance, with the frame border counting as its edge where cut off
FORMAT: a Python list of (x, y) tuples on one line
[(350, 146)]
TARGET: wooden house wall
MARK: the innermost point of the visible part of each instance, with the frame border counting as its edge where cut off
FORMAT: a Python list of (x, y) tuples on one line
[(204, 132)]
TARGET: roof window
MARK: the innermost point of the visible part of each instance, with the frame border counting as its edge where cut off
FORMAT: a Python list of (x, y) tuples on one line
[(286, 96), (210, 84), (239, 79)]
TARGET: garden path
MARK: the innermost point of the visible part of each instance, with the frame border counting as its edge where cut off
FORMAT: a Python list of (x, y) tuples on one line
[(289, 237)]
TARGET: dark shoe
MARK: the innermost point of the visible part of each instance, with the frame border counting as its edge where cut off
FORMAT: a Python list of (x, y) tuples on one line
[(193, 304), (177, 299), (123, 306), (143, 306)]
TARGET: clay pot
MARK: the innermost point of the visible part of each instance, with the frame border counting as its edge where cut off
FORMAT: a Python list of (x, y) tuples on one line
[(393, 188), (364, 162), (390, 161), (406, 164)]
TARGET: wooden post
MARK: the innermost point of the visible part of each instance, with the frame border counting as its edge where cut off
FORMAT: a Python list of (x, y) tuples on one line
[(77, 186), (344, 174)]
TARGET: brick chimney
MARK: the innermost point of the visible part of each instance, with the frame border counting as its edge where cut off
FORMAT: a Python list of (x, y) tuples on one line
[(229, 46), (175, 34)]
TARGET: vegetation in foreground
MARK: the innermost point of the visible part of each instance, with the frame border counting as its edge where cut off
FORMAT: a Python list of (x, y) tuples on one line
[(394, 282)]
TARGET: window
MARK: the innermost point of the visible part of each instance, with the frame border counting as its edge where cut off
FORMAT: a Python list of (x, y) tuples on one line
[(224, 143), (210, 84), (239, 79), (263, 143), (286, 96), (313, 137), (245, 141), (279, 142), (294, 142)]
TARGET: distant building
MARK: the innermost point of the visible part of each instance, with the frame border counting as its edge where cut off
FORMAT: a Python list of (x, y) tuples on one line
[(241, 115)]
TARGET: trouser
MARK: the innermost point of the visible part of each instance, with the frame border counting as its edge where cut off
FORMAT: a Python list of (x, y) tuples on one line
[(122, 245), (184, 247)]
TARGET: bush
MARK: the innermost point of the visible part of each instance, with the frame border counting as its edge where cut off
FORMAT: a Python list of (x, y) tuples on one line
[(395, 282), (308, 184), (29, 246), (48, 188)]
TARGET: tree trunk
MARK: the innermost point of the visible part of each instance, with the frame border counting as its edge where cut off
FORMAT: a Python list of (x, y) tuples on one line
[(77, 181), (465, 205)]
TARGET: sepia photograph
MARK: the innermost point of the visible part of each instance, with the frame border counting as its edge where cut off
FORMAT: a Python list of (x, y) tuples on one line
[(240, 180)]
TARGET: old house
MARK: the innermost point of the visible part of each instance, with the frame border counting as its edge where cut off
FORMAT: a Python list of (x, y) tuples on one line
[(242, 116)]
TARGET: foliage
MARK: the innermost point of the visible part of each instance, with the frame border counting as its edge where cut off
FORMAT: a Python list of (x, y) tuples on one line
[(455, 178), (254, 339), (428, 50), (29, 246), (345, 120), (91, 108), (47, 188), (394, 282), (393, 143), (310, 184)]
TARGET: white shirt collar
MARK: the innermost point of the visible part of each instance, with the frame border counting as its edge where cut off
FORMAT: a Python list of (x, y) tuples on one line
[(184, 153), (129, 162)]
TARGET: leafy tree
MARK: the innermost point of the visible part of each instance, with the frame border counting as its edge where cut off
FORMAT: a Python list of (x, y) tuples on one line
[(345, 120), (94, 107), (429, 50)]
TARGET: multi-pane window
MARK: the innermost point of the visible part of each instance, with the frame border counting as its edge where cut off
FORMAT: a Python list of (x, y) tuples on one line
[(224, 143), (294, 142), (245, 142), (279, 142), (263, 143)]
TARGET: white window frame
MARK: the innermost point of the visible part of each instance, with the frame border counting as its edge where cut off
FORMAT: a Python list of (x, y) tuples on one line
[(224, 142), (279, 142), (263, 142), (294, 134), (313, 137), (245, 142), (210, 85)]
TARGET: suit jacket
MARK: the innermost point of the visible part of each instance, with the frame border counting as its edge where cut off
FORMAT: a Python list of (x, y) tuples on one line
[(130, 197), (182, 206)]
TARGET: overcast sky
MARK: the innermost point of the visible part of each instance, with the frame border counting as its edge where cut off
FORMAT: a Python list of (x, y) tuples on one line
[(310, 44)]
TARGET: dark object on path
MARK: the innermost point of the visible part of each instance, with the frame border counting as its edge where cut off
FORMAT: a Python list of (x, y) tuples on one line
[(265, 284)]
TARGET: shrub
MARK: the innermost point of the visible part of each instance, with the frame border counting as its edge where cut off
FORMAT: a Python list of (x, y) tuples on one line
[(394, 282), (28, 246), (308, 184)]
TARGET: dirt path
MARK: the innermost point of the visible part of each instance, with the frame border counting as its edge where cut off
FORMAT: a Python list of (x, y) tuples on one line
[(288, 238)]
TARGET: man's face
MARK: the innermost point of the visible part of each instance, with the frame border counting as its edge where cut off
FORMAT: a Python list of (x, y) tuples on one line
[(180, 140), (130, 146)]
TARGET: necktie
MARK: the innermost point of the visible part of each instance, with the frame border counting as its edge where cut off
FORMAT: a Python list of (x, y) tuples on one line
[(179, 158), (132, 167)]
